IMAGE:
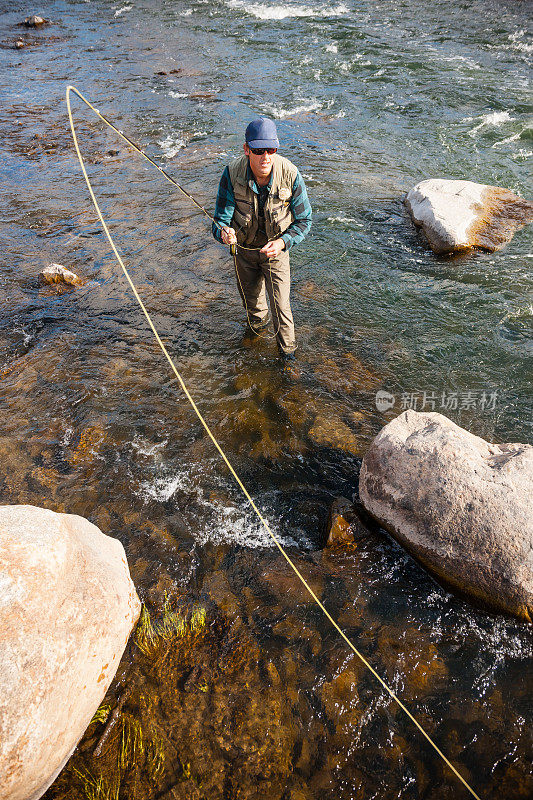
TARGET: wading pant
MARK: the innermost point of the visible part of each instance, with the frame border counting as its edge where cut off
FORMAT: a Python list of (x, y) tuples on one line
[(257, 276)]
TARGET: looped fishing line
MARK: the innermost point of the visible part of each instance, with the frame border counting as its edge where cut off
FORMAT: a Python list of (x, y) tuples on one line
[(189, 196), (211, 436)]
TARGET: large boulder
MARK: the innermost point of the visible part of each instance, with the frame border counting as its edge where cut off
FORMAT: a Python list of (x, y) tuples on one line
[(67, 606), (462, 506), (457, 215)]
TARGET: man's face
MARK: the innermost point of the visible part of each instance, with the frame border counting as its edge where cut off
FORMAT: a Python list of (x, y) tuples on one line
[(261, 166)]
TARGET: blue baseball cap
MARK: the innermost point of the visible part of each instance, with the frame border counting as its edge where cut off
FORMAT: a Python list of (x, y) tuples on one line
[(262, 133)]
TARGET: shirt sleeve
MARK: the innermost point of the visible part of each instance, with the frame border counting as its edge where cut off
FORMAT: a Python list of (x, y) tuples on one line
[(302, 213), (225, 205)]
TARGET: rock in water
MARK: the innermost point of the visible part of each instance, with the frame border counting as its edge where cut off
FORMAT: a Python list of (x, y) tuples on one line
[(344, 526), (56, 273), (458, 215), (462, 506), (34, 21), (67, 606)]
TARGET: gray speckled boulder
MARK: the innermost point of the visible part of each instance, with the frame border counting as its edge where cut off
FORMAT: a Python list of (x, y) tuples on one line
[(67, 606), (462, 506)]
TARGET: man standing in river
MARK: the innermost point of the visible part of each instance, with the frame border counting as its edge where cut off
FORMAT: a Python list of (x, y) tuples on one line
[(262, 205)]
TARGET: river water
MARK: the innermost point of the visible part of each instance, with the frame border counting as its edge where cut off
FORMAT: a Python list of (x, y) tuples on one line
[(254, 696)]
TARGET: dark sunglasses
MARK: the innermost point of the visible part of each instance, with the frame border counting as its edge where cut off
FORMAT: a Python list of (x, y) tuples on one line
[(259, 151)]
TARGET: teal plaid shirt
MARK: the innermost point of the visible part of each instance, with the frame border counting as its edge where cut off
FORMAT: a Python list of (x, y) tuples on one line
[(300, 207)]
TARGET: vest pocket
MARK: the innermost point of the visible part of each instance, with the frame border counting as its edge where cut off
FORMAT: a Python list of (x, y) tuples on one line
[(241, 220), (280, 215), (241, 224)]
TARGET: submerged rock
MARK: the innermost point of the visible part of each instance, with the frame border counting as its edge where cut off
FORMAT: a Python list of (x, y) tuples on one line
[(67, 606), (331, 431), (56, 273), (461, 505), (457, 215), (344, 524)]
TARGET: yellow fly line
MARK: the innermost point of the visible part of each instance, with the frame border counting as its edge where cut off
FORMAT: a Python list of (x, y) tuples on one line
[(210, 434)]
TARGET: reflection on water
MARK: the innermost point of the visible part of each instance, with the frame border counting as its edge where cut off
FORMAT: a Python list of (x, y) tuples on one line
[(234, 686)]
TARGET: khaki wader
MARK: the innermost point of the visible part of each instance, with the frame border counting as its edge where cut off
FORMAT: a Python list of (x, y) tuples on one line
[(257, 274)]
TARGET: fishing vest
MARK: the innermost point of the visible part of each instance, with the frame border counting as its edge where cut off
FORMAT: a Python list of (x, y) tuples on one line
[(277, 210)]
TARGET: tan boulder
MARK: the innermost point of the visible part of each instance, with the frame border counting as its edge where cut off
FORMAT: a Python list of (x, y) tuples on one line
[(460, 505), (56, 273), (457, 215), (67, 606), (34, 21)]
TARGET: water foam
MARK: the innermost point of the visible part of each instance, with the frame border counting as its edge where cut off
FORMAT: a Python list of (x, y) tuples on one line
[(344, 221), (146, 448), (163, 489), (525, 133), (172, 145), (522, 154), (495, 119), (517, 42), (506, 141), (468, 62), (120, 11), (27, 337), (230, 525), (67, 437), (220, 523), (278, 112), (279, 11)]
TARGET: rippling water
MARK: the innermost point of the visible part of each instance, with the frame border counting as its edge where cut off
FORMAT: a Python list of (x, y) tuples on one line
[(370, 98)]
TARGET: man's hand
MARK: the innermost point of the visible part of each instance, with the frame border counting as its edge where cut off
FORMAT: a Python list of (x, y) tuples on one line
[(228, 236), (273, 248)]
